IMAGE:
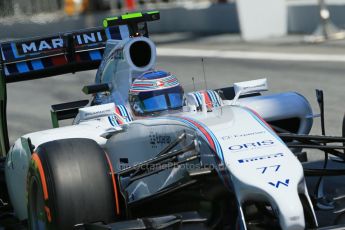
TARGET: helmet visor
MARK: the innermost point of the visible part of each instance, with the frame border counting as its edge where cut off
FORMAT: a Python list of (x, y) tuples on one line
[(162, 102), (159, 100)]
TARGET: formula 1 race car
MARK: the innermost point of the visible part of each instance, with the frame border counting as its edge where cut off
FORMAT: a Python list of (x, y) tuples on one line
[(228, 158)]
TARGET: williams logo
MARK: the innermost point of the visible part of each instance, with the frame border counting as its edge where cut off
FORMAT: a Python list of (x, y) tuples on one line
[(282, 183), (253, 145)]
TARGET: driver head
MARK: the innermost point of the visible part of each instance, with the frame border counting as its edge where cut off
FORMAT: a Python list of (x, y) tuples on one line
[(155, 93)]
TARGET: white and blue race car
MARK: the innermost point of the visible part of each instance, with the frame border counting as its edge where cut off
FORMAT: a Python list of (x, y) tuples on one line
[(144, 154)]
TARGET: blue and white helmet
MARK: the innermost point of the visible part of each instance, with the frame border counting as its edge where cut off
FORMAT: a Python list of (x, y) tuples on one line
[(154, 92)]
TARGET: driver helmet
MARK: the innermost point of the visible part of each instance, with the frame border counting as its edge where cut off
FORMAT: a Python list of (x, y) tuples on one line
[(155, 92)]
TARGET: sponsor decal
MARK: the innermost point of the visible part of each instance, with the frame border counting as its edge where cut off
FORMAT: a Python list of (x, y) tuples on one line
[(255, 86), (278, 183), (229, 137), (158, 139), (40, 45), (272, 168), (89, 38), (252, 145), (259, 158), (97, 113), (57, 43)]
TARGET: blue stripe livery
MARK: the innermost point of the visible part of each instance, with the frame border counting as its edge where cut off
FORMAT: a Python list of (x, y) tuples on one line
[(37, 64), (22, 67), (95, 55)]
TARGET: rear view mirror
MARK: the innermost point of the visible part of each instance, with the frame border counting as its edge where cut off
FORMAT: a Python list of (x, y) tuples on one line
[(247, 87), (254, 86)]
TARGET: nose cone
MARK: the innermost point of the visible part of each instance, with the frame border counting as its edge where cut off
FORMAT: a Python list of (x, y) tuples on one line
[(263, 169), (291, 214)]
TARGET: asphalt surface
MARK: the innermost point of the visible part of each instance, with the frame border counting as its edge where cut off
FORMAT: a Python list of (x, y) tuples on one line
[(29, 102)]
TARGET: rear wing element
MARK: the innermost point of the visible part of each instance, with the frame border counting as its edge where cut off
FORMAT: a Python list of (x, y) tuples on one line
[(58, 54), (61, 53), (68, 52)]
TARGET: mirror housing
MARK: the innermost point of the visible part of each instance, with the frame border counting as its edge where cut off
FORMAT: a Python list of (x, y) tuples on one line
[(249, 87)]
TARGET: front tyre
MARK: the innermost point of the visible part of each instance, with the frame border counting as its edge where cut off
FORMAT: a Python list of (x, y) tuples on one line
[(69, 182)]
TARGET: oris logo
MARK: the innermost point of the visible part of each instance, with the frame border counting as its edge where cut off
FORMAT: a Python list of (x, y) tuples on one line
[(253, 145)]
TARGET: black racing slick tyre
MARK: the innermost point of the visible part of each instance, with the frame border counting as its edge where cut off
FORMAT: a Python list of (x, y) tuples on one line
[(70, 182)]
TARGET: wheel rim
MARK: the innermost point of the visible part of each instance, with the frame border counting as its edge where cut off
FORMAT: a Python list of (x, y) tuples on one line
[(36, 207)]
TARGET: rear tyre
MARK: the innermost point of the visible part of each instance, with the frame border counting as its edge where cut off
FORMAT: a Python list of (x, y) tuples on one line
[(69, 183)]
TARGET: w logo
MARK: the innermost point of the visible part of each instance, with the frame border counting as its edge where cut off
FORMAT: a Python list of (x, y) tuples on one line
[(286, 183)]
